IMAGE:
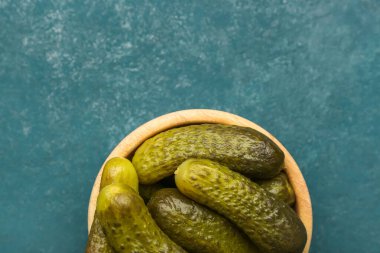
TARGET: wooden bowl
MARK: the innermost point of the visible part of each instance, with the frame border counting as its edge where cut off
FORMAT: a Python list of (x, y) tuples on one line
[(187, 117)]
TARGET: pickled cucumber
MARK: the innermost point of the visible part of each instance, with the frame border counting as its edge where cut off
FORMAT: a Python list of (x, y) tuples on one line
[(128, 225), (195, 227), (119, 170), (97, 241), (147, 190), (271, 224), (280, 187), (242, 149), (116, 170)]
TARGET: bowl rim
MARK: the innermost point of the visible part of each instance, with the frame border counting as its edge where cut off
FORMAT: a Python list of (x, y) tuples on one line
[(132, 141)]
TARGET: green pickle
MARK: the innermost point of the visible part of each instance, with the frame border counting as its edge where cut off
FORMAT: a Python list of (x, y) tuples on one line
[(195, 227), (116, 170), (147, 190), (242, 149), (119, 170), (128, 224), (280, 187), (97, 241), (271, 224)]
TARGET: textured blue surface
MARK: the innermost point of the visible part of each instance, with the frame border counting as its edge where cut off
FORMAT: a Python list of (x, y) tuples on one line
[(77, 76)]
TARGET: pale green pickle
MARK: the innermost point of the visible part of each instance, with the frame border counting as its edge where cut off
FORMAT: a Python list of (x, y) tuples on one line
[(116, 170), (128, 224)]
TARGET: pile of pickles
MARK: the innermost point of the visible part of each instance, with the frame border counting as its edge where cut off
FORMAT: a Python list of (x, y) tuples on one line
[(207, 188)]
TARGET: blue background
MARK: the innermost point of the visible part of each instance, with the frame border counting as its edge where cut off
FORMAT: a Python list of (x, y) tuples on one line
[(77, 76)]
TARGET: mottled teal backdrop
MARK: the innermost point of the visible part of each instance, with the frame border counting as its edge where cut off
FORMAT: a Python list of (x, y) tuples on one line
[(77, 76)]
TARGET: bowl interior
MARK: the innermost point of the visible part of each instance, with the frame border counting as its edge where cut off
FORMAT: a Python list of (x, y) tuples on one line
[(196, 116)]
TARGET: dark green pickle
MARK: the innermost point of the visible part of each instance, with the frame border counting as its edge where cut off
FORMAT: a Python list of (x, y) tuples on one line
[(195, 227), (97, 241), (280, 187), (146, 191)]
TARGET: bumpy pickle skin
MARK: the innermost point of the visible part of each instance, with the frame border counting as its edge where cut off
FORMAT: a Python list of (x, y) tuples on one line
[(97, 241), (280, 187), (195, 227), (116, 170), (128, 225), (242, 149), (271, 224)]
